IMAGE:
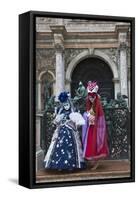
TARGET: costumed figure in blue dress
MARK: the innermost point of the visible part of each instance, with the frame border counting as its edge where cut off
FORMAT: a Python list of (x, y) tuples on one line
[(65, 150)]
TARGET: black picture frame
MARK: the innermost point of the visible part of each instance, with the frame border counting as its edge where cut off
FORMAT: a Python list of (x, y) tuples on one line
[(27, 99)]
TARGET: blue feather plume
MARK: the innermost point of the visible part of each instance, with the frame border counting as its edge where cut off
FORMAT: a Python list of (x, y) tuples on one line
[(63, 97)]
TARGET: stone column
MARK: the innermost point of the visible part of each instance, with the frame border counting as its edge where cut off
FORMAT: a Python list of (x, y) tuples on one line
[(38, 95), (60, 72), (116, 86), (129, 77), (39, 151), (123, 63), (60, 69), (123, 71), (58, 33)]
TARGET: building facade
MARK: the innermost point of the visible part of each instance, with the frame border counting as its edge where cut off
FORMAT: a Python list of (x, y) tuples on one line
[(72, 50)]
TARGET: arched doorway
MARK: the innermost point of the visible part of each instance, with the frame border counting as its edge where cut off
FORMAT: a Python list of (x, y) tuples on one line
[(93, 68)]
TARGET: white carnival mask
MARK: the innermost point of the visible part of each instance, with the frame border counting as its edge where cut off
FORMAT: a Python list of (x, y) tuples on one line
[(66, 106)]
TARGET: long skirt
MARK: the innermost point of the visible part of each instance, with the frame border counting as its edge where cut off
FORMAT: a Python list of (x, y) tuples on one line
[(65, 151), (94, 139)]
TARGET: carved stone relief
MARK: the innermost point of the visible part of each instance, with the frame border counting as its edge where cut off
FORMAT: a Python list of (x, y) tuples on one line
[(113, 54), (70, 54), (45, 58)]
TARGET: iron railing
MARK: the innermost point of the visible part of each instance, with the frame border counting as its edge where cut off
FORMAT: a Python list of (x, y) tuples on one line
[(118, 127)]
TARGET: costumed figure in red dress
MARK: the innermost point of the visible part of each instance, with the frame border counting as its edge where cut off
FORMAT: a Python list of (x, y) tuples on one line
[(94, 132)]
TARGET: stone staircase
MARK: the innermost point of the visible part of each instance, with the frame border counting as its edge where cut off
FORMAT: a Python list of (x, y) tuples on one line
[(105, 169)]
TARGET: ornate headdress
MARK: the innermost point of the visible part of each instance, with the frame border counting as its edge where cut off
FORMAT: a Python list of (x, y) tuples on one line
[(92, 87), (63, 97)]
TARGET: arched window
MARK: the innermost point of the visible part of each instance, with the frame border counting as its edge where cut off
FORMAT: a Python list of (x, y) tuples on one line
[(47, 81)]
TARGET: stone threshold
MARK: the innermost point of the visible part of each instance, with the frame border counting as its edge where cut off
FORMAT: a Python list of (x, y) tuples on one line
[(106, 169)]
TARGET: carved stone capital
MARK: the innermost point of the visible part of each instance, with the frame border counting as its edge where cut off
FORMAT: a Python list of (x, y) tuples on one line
[(123, 46), (59, 42), (59, 47)]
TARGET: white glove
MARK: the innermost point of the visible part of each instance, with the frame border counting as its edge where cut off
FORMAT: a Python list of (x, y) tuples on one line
[(58, 118)]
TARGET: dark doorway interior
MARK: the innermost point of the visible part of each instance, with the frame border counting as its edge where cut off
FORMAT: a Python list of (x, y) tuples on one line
[(94, 69)]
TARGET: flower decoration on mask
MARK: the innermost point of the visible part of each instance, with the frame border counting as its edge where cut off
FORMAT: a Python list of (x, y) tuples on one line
[(92, 87)]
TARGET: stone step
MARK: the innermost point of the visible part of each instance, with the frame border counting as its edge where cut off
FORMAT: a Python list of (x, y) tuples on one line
[(105, 169)]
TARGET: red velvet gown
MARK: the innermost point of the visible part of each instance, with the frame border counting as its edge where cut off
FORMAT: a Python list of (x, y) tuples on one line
[(94, 136)]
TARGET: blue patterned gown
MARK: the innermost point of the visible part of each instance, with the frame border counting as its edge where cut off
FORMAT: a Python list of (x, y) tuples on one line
[(65, 151)]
